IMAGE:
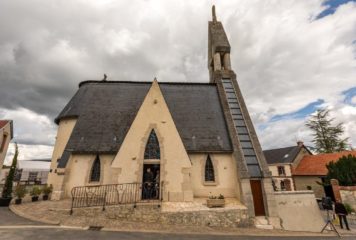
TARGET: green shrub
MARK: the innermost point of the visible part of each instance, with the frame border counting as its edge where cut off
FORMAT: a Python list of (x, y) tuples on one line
[(20, 191), (47, 189), (35, 191), (348, 207)]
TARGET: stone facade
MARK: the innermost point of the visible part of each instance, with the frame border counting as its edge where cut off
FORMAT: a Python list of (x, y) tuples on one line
[(152, 214), (5, 138)]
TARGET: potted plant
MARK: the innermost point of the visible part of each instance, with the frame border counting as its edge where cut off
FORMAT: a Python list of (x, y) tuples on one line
[(46, 191), (6, 194), (20, 192), (35, 192), (214, 201)]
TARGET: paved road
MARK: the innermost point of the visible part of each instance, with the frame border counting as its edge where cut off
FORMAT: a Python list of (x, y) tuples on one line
[(9, 218), (43, 234)]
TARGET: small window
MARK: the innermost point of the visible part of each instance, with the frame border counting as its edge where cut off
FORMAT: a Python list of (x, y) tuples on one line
[(309, 188), (95, 170), (209, 170), (152, 150), (281, 171), (283, 186)]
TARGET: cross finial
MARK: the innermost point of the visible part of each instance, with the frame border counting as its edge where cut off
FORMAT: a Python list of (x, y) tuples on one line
[(213, 13)]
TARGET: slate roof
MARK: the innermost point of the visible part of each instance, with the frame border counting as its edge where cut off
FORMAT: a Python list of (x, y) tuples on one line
[(106, 110), (315, 165), (281, 155)]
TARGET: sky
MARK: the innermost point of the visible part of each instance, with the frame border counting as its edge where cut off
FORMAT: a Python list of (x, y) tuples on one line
[(291, 57)]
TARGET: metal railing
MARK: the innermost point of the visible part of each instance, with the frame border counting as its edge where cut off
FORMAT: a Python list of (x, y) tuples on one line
[(116, 194)]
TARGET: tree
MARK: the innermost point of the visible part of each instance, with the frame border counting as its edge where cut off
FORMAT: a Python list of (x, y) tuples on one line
[(7, 190), (343, 170), (327, 138)]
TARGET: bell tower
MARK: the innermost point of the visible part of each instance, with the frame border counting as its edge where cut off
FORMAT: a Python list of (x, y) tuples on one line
[(255, 188), (218, 47)]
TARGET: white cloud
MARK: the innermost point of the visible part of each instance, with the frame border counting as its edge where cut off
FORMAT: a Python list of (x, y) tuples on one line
[(30, 127), (284, 58), (28, 152), (353, 100)]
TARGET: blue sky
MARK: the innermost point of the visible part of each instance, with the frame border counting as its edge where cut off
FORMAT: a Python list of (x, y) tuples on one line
[(332, 5)]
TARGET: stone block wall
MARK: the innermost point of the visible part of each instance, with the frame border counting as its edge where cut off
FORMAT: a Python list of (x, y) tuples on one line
[(348, 195), (231, 218)]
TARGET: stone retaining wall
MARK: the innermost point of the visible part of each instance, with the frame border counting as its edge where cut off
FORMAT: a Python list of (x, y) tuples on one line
[(299, 211), (231, 218)]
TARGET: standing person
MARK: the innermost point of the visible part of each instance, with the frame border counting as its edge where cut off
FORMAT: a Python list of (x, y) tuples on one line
[(341, 212), (147, 184)]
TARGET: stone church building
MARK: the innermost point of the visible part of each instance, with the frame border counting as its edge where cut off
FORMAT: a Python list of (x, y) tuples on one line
[(197, 139)]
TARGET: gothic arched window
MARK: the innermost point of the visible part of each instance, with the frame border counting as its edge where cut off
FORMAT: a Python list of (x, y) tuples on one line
[(95, 170), (152, 150), (209, 170)]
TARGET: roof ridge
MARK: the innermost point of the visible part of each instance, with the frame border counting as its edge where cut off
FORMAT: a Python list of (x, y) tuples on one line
[(141, 82)]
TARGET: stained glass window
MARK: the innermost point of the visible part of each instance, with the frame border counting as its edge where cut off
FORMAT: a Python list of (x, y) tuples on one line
[(152, 150), (95, 170), (209, 170)]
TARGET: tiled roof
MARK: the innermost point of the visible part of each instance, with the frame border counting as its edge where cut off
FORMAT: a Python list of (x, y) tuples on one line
[(281, 155), (3, 123), (106, 110), (315, 165)]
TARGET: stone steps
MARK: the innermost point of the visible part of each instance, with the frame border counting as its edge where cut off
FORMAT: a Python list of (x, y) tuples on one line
[(262, 223)]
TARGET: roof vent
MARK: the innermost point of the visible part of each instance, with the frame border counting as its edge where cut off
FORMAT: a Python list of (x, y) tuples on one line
[(287, 155)]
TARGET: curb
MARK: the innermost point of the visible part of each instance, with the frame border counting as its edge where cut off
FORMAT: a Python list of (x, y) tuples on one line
[(216, 233), (21, 214)]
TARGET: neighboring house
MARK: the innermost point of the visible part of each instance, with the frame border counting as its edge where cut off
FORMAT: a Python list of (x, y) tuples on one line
[(197, 139), (311, 171), (6, 134), (29, 172), (32, 171), (281, 161)]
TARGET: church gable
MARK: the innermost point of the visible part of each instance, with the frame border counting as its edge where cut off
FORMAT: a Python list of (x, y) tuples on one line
[(153, 140)]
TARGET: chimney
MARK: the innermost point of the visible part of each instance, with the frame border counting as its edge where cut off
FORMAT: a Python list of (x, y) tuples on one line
[(300, 143)]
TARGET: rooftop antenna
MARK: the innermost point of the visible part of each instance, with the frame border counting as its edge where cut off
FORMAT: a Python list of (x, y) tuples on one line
[(214, 14)]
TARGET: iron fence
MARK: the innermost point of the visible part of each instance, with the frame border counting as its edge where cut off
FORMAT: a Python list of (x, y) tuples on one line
[(116, 194)]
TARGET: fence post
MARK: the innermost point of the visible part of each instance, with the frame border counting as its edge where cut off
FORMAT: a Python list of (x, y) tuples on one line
[(104, 198)]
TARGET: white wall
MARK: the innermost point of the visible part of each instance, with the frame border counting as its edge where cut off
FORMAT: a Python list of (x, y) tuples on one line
[(225, 175), (299, 211)]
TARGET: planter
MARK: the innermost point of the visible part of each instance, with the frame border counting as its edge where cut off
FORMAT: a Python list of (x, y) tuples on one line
[(18, 201), (5, 202), (34, 198), (215, 203), (45, 197)]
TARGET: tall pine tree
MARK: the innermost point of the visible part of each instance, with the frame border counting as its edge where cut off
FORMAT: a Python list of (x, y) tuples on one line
[(7, 190), (327, 138)]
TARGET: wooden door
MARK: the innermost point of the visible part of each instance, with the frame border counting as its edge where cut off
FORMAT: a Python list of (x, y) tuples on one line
[(256, 188)]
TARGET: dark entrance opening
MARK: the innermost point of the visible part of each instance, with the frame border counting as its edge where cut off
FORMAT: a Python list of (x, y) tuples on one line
[(151, 181), (258, 203), (328, 190)]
